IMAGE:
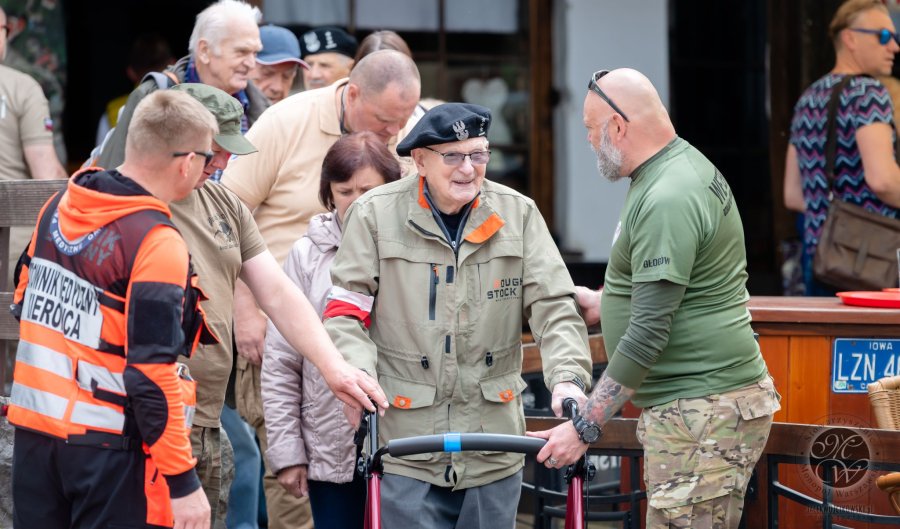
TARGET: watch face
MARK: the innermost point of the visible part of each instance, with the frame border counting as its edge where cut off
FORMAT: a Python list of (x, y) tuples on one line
[(590, 433)]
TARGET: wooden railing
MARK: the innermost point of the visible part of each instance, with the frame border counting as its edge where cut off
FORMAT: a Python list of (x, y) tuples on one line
[(788, 444), (20, 202)]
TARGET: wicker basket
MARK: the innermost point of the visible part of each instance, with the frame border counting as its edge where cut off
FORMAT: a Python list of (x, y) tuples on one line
[(884, 395)]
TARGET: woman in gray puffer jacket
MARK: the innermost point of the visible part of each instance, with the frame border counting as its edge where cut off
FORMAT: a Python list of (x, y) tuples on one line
[(311, 448)]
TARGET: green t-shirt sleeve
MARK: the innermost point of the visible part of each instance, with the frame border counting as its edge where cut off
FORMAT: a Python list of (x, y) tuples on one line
[(665, 234), (653, 308)]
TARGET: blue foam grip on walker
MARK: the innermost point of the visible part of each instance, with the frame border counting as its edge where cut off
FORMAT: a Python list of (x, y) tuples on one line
[(452, 442)]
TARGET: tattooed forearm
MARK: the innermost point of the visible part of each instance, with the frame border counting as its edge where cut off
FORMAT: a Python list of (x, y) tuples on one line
[(606, 399)]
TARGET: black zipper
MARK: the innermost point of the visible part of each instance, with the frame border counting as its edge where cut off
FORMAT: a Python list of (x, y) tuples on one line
[(432, 291)]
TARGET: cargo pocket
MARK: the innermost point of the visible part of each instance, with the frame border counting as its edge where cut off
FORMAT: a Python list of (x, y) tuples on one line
[(692, 488), (762, 403), (411, 411), (502, 413)]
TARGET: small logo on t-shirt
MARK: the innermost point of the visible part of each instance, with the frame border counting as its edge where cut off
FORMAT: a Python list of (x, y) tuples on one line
[(656, 261), (222, 232), (719, 187)]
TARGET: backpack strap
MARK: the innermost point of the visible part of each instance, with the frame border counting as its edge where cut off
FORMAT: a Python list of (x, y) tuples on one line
[(164, 80)]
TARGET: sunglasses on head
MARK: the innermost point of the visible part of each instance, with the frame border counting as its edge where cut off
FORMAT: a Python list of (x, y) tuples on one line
[(592, 85), (884, 35)]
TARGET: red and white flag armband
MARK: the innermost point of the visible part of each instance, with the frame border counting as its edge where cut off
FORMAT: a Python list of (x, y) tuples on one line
[(343, 302)]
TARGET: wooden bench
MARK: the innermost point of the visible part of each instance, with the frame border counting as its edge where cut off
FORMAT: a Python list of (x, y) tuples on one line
[(20, 203)]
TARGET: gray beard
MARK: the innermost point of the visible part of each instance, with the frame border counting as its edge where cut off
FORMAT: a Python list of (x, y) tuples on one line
[(609, 159)]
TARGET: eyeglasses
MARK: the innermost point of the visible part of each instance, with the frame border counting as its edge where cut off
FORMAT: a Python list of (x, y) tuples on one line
[(456, 158), (884, 35), (209, 155), (592, 85)]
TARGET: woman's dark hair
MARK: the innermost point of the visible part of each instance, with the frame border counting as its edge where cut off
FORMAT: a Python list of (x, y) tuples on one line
[(350, 154), (381, 40)]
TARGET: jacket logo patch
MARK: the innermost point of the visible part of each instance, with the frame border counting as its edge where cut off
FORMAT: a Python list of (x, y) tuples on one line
[(507, 395), (72, 247), (404, 403), (504, 289), (222, 232)]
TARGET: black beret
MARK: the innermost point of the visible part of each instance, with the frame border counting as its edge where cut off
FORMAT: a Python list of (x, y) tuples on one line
[(327, 39), (447, 123)]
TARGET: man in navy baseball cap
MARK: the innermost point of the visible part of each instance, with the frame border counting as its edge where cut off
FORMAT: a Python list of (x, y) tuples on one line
[(276, 64), (329, 51)]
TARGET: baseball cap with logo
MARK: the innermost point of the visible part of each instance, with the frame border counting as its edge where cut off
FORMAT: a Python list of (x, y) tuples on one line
[(328, 39), (280, 45), (445, 124), (228, 112)]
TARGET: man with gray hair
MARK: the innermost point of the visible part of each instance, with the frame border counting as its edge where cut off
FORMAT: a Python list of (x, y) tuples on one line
[(280, 184), (223, 48)]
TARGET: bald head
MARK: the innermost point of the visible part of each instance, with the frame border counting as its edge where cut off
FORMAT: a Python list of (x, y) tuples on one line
[(634, 94), (647, 128), (376, 71), (382, 94)]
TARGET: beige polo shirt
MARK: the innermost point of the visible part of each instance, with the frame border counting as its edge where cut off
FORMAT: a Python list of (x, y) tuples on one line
[(280, 183), (24, 120)]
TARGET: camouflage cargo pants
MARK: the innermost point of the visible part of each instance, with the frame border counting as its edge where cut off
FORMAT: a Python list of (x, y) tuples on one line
[(699, 454), (215, 468)]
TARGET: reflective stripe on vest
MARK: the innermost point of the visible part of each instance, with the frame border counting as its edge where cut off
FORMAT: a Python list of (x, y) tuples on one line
[(94, 416), (105, 379), (44, 358), (38, 401)]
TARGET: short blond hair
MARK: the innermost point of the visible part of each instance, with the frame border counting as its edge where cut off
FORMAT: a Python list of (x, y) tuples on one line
[(167, 121), (847, 14)]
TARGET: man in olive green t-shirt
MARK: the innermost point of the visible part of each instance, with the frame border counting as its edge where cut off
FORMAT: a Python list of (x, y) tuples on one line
[(675, 321)]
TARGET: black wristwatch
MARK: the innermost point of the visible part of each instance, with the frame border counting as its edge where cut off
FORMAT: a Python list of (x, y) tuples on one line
[(588, 431)]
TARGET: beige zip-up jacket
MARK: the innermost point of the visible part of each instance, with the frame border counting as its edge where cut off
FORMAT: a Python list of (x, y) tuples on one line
[(444, 330)]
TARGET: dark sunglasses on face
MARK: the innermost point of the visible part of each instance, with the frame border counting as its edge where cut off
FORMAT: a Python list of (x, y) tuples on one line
[(208, 155), (457, 158), (592, 85), (884, 35)]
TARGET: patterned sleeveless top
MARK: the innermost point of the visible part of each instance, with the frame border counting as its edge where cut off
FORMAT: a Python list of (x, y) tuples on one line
[(863, 102)]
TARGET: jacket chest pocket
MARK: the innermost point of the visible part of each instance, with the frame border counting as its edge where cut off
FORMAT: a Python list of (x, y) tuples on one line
[(412, 283)]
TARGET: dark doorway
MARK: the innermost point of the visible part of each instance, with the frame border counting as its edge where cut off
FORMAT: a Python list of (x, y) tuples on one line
[(718, 104), (99, 36)]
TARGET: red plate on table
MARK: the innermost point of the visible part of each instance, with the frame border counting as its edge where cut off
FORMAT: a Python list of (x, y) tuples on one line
[(871, 299)]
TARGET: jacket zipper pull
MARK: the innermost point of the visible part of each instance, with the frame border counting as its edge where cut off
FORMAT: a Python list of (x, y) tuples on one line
[(489, 359), (424, 362)]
